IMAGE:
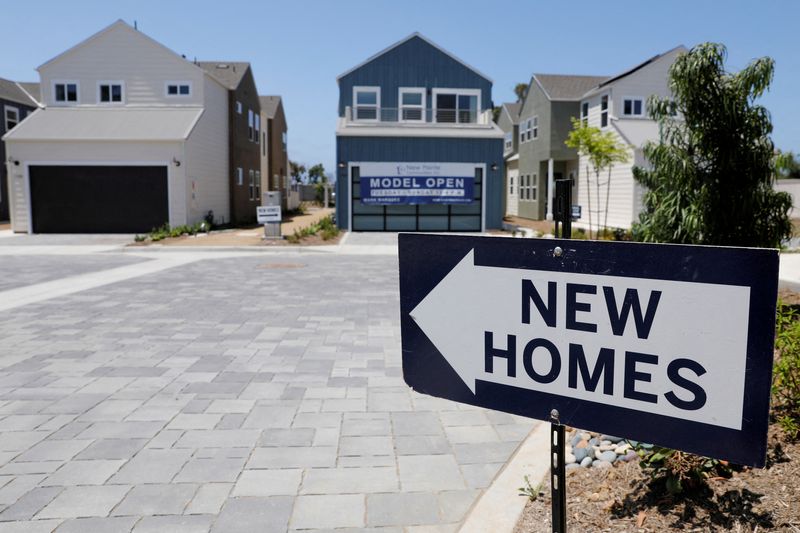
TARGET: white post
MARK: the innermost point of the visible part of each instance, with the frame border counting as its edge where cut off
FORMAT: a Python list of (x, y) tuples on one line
[(550, 189)]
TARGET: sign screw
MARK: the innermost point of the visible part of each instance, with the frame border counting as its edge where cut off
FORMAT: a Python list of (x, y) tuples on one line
[(557, 251), (554, 415)]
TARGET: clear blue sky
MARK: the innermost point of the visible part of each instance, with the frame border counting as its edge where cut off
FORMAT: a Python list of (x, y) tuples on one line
[(298, 47)]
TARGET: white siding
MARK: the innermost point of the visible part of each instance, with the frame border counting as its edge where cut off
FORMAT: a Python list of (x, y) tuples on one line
[(621, 196), (92, 153), (207, 158), (121, 53), (512, 199)]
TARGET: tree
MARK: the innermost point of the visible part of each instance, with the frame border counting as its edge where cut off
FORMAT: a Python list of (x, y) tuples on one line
[(316, 174), (786, 165), (710, 176), (602, 150), (520, 90), (297, 170)]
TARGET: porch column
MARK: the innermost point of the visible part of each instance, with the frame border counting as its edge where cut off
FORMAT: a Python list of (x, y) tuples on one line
[(550, 189)]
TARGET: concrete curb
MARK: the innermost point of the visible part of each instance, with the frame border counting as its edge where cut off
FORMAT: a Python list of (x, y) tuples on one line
[(500, 506)]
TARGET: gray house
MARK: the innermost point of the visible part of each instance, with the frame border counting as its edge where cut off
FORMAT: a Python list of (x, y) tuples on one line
[(508, 121), (543, 125), (17, 101)]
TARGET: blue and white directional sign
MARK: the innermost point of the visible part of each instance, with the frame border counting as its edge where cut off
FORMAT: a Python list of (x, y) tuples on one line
[(666, 344), (417, 183)]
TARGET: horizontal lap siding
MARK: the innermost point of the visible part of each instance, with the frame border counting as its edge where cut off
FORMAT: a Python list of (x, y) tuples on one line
[(396, 149)]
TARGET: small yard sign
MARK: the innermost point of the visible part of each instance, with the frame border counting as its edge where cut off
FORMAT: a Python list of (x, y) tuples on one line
[(665, 344), (268, 213)]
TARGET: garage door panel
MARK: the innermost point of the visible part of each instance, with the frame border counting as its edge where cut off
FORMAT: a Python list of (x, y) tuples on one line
[(98, 199)]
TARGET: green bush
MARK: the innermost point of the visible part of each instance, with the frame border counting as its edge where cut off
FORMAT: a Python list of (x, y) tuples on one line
[(679, 471), (324, 227), (786, 371), (165, 231)]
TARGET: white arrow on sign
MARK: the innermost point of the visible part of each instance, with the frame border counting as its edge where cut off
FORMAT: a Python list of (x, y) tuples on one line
[(472, 300)]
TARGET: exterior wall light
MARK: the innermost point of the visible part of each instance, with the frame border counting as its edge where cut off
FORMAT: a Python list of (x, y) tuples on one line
[(342, 164), (494, 167), (176, 162)]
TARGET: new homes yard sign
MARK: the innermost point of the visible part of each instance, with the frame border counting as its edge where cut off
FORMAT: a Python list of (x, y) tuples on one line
[(665, 344)]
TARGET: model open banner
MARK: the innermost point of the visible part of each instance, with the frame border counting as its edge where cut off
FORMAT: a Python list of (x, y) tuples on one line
[(417, 183), (659, 343)]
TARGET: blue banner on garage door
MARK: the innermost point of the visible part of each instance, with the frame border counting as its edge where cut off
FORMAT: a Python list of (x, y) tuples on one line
[(417, 183)]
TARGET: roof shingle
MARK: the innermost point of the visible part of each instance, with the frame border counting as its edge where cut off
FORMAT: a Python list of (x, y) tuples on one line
[(10, 90), (230, 73), (269, 105), (567, 87)]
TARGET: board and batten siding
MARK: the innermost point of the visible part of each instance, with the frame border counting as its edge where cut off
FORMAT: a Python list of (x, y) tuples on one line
[(420, 150), (93, 153), (123, 54), (207, 158), (414, 63)]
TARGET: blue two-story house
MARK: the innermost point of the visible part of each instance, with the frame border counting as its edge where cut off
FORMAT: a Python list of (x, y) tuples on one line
[(416, 145)]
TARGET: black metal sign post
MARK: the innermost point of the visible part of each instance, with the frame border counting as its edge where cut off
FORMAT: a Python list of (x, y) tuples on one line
[(558, 472)]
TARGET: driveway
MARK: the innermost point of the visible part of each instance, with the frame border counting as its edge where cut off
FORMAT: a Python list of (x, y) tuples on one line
[(225, 391)]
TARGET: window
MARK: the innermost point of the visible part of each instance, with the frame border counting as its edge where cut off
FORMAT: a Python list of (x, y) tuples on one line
[(283, 137), (250, 124), (252, 188), (264, 143), (11, 117), (257, 135), (521, 135), (65, 92), (633, 107), (509, 142), (511, 185), (457, 105), (258, 185), (366, 102), (528, 129), (179, 88), (585, 113), (604, 111), (534, 185), (239, 176), (412, 105), (535, 127), (238, 107), (109, 92)]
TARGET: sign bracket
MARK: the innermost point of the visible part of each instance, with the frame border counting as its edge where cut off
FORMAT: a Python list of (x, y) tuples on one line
[(558, 474)]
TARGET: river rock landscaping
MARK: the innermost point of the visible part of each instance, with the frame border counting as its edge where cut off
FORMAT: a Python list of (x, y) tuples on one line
[(586, 450)]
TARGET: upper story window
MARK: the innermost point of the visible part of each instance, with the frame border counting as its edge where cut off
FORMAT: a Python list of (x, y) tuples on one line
[(283, 137), (366, 102), (535, 127), (11, 117), (509, 142), (528, 133), (65, 92), (457, 105), (604, 111), (633, 107), (250, 124), (412, 105), (109, 92), (238, 107), (257, 134), (585, 113), (179, 88)]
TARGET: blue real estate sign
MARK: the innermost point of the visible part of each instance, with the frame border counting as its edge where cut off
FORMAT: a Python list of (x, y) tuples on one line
[(666, 344), (416, 183)]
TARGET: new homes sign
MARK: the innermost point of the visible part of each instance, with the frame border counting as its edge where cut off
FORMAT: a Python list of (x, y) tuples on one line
[(660, 343), (417, 183)]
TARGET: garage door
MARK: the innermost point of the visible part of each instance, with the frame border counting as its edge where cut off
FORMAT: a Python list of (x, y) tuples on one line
[(425, 217), (98, 199)]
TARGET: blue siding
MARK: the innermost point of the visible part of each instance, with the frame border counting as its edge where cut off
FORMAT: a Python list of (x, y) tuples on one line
[(415, 63), (420, 150)]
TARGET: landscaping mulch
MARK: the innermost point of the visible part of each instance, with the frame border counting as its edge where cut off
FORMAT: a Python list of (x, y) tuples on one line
[(618, 499)]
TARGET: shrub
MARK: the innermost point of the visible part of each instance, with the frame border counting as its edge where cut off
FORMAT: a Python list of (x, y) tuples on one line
[(786, 371), (679, 471)]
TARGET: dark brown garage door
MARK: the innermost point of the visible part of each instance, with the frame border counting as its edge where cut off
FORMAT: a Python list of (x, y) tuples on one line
[(93, 199)]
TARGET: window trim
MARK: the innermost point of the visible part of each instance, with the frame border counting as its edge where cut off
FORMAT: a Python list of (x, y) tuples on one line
[(367, 88), (251, 177), (633, 100), (257, 132), (401, 107), (250, 124), (239, 176), (258, 185), (604, 111), (458, 92), (6, 109), (535, 127), (65, 102), (508, 142), (111, 83), (238, 107), (585, 113), (178, 83)]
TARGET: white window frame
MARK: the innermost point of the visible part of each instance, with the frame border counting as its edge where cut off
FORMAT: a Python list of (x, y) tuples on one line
[(250, 124), (633, 100), (77, 85), (585, 112), (365, 88), (178, 85), (238, 107), (606, 111), (458, 92), (111, 83), (239, 176), (529, 129), (534, 187), (511, 185), (508, 142), (251, 176), (257, 132), (535, 127), (13, 109), (401, 107)]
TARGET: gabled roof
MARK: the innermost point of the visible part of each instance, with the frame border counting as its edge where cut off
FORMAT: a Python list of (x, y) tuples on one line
[(107, 124), (640, 66), (403, 41), (560, 87), (13, 91), (269, 105), (230, 73), (512, 110)]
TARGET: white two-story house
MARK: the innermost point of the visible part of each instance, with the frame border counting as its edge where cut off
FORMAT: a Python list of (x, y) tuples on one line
[(131, 136), (619, 105)]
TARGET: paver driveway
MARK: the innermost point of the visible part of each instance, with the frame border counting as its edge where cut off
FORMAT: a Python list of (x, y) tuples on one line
[(261, 392)]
